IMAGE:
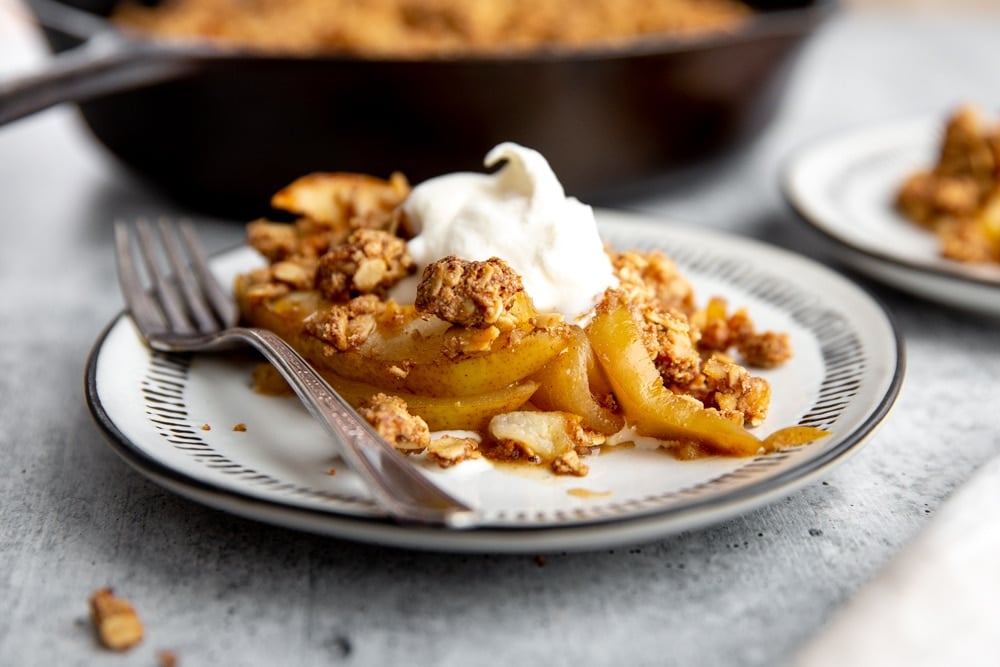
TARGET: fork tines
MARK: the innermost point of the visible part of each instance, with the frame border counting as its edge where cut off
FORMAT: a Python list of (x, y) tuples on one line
[(185, 300)]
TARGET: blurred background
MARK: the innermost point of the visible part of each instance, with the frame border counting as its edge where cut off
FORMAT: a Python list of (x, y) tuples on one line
[(12, 15), (643, 114), (937, 5)]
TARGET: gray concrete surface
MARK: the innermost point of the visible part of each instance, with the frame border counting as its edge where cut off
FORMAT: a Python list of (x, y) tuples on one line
[(221, 590)]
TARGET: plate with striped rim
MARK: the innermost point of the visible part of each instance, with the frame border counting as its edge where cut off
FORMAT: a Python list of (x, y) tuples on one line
[(194, 425), (844, 187)]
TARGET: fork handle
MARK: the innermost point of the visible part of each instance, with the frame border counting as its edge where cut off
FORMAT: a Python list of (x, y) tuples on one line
[(397, 486)]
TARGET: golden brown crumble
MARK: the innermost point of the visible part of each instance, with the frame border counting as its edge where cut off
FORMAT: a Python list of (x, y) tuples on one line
[(391, 419), (448, 450), (959, 198), (369, 262), (468, 293), (346, 326), (332, 206), (735, 393), (166, 659), (652, 276), (304, 239), (713, 326), (274, 240), (718, 332), (414, 28), (671, 344), (325, 288), (508, 451), (765, 350), (240, 428), (117, 623)]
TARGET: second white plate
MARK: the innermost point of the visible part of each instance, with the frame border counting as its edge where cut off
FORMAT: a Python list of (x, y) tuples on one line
[(172, 418), (844, 187)]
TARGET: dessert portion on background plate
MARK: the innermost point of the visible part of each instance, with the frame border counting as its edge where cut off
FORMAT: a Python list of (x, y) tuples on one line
[(959, 197), (866, 189)]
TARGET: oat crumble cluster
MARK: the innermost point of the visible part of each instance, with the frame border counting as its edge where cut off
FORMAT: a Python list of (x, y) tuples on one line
[(368, 262), (393, 421), (472, 354), (115, 619), (415, 28), (468, 293), (959, 198)]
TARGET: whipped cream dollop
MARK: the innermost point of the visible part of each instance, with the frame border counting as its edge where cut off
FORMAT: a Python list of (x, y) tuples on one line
[(520, 214)]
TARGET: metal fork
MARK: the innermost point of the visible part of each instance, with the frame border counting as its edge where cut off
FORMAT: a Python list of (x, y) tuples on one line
[(192, 313)]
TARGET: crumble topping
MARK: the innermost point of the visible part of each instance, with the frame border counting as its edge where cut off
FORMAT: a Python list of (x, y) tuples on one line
[(115, 619), (765, 350), (368, 262), (959, 197), (468, 293), (326, 290), (671, 343), (346, 326), (333, 207), (391, 419), (273, 240), (731, 390), (447, 450), (419, 28), (652, 276), (718, 332)]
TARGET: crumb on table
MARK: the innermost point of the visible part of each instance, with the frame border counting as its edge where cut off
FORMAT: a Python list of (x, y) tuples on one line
[(115, 619)]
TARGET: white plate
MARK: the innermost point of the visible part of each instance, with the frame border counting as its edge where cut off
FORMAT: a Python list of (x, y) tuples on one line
[(844, 377), (844, 186)]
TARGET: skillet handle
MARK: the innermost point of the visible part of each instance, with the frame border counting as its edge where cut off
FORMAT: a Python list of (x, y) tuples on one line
[(69, 20), (106, 63)]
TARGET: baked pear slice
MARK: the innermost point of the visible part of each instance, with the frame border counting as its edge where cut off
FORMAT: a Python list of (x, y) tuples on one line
[(408, 352), (442, 413), (656, 411)]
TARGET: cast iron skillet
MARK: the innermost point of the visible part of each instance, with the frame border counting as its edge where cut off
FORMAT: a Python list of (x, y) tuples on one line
[(222, 130)]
